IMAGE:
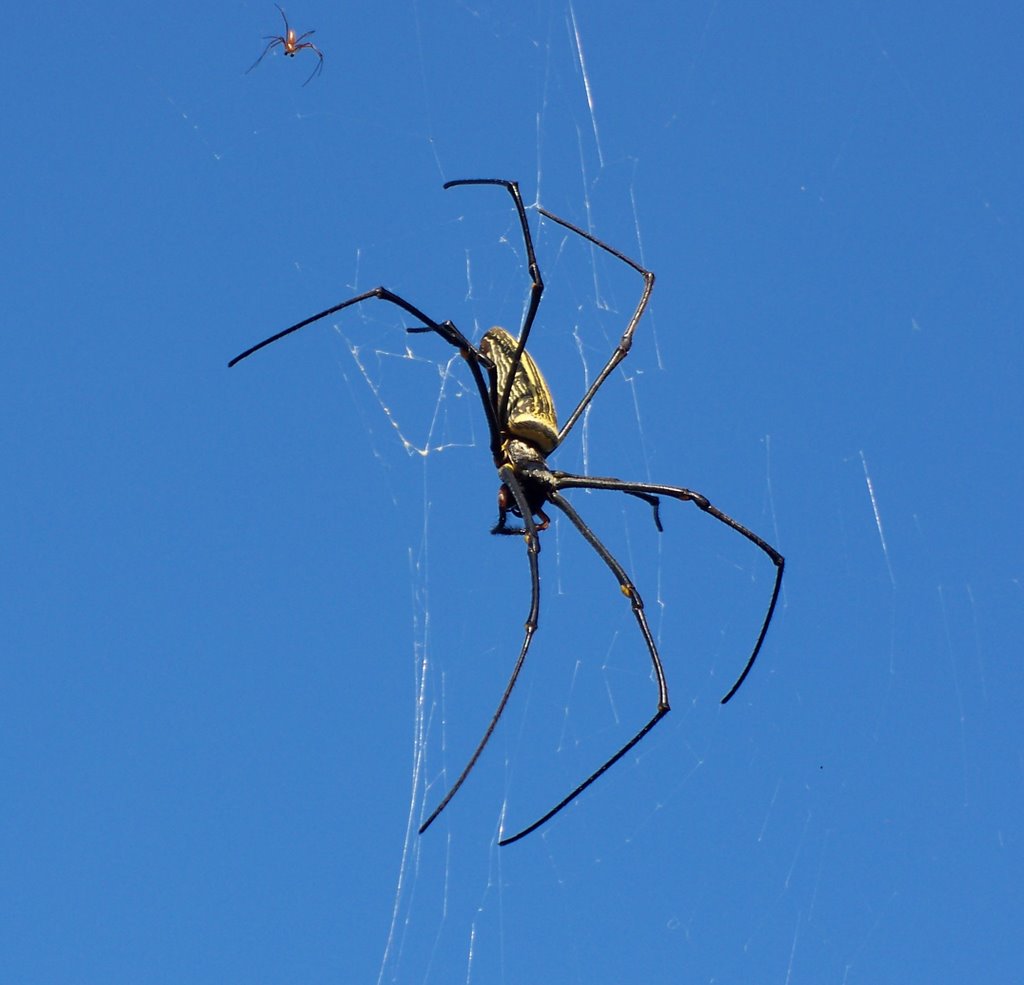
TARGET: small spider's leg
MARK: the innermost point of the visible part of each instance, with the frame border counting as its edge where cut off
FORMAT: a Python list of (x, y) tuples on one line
[(563, 480), (320, 63), (629, 590), (273, 44), (536, 283), (509, 479), (302, 37), (284, 17), (623, 347)]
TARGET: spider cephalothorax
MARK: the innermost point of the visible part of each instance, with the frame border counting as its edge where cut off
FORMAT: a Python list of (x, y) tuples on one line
[(523, 432)]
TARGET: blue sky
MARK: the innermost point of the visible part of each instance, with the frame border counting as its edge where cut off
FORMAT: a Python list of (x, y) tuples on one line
[(255, 619)]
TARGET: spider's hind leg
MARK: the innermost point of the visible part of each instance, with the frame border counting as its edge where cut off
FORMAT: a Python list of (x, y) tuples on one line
[(520, 497), (636, 603)]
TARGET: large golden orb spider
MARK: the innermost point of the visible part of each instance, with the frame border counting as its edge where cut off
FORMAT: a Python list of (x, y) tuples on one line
[(524, 432)]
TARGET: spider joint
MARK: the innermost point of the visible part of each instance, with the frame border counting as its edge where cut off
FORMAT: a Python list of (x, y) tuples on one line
[(634, 597)]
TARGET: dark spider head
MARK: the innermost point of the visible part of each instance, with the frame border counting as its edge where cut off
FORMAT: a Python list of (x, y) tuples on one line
[(535, 479)]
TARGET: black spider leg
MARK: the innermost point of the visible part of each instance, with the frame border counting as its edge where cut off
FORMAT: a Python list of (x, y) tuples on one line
[(565, 480), (320, 58), (536, 283), (454, 337), (445, 329), (646, 491), (624, 344), (273, 42), (655, 505), (507, 476), (451, 334), (629, 590)]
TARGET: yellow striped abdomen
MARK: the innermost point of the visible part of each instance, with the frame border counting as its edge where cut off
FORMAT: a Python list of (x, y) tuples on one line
[(531, 409)]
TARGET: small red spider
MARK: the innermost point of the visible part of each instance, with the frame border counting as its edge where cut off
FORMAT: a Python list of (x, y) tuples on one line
[(291, 45)]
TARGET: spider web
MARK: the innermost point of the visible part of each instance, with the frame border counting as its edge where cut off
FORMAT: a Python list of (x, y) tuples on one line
[(435, 434), (722, 844), (587, 683), (587, 303), (255, 619), (420, 417)]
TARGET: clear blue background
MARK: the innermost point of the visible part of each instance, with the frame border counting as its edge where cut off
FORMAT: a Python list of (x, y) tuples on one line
[(248, 638)]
